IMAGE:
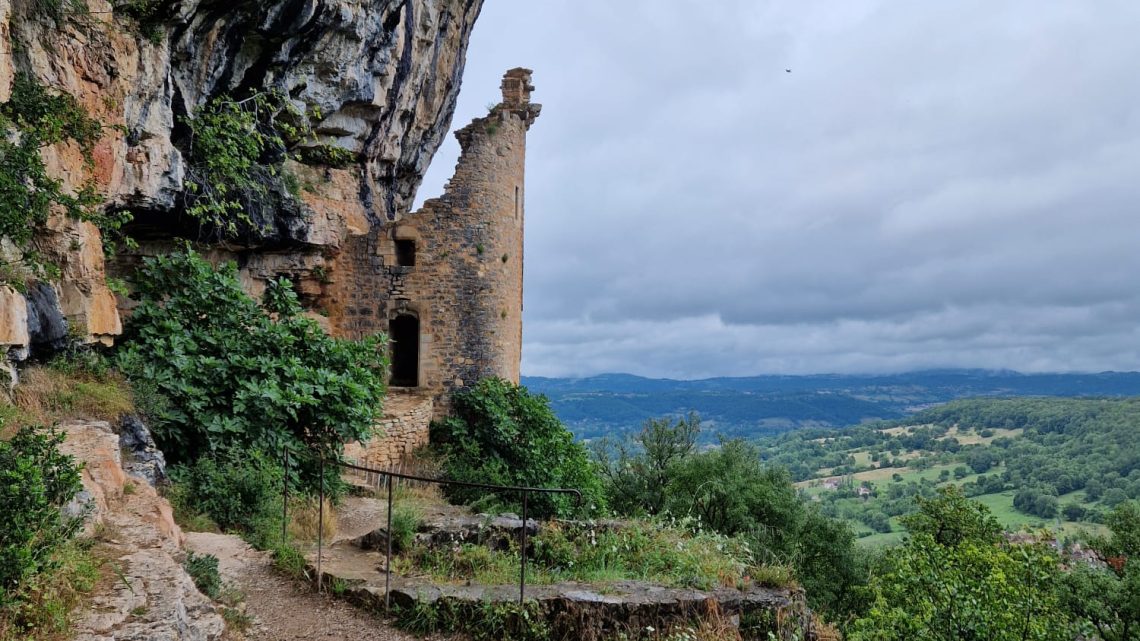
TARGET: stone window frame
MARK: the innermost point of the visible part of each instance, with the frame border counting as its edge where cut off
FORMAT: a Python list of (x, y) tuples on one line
[(405, 232)]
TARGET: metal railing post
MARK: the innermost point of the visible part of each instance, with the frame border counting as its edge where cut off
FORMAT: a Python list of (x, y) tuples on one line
[(522, 551), (285, 500), (320, 523), (388, 557)]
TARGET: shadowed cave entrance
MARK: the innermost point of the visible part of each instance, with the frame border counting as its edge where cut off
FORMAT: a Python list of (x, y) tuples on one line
[(405, 334)]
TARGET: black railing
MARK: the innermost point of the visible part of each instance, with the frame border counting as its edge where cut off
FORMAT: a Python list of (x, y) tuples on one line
[(385, 477)]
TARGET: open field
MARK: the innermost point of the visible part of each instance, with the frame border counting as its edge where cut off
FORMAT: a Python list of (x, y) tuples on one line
[(974, 438)]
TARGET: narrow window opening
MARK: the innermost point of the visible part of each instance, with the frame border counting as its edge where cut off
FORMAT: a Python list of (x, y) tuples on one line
[(406, 253), (516, 201), (405, 333)]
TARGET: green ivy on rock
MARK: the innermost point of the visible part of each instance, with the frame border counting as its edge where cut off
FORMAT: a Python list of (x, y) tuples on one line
[(33, 118)]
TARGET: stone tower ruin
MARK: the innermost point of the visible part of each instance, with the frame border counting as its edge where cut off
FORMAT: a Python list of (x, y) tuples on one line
[(449, 294)]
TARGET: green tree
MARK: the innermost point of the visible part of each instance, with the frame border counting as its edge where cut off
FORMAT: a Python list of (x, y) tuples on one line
[(733, 493), (502, 434), (638, 471), (1073, 511), (1105, 600), (729, 490), (957, 579), (235, 374)]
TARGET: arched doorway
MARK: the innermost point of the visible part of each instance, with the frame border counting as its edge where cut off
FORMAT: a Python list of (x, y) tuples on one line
[(404, 332)]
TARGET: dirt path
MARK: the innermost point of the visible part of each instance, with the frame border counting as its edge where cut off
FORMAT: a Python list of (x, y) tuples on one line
[(282, 609)]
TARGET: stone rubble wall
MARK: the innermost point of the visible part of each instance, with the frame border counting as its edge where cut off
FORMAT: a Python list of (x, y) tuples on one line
[(404, 428)]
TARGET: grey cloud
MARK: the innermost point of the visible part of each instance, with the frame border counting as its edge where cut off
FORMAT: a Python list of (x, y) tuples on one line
[(934, 184)]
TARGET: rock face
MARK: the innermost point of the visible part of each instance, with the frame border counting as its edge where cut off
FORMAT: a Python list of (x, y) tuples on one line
[(146, 461), (375, 79), (154, 599)]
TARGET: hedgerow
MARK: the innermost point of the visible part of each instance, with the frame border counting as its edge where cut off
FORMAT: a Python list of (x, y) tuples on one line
[(33, 118)]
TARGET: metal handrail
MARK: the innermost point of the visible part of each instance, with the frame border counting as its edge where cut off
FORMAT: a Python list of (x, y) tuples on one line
[(388, 476)]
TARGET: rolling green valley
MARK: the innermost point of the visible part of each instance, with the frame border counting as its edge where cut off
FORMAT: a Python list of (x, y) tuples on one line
[(1057, 463)]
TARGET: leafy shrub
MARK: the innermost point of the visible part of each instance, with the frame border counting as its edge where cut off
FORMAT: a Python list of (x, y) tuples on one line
[(239, 491), (486, 621), (1103, 599), (49, 601), (49, 117), (236, 375), (235, 151), (639, 471), (58, 10), (203, 568), (502, 434), (147, 16), (328, 155), (36, 481)]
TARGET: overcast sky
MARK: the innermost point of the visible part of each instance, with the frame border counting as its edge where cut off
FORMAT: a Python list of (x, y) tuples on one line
[(935, 184)]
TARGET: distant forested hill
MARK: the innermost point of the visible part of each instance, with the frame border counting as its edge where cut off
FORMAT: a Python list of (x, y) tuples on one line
[(765, 405)]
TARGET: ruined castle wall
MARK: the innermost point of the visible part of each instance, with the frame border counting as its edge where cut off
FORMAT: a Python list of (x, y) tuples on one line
[(466, 285)]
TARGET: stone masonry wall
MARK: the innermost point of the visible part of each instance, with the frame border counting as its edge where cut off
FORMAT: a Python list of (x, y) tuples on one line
[(404, 427)]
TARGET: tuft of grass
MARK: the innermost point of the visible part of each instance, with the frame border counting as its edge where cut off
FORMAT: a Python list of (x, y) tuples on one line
[(237, 619), (406, 521), (581, 552), (711, 625), (419, 495), (290, 561), (772, 575), (304, 514), (203, 569)]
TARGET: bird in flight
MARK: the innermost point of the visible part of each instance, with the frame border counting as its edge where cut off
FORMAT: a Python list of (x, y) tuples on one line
[(788, 70)]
